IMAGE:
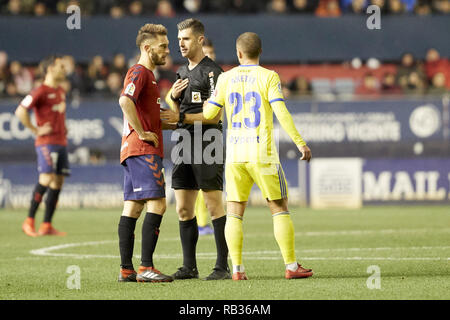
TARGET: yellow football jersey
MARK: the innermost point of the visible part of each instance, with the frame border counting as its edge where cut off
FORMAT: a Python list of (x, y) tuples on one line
[(250, 95)]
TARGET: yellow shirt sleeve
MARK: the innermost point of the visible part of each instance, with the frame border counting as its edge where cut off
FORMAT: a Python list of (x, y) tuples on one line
[(276, 99), (217, 100), (169, 101)]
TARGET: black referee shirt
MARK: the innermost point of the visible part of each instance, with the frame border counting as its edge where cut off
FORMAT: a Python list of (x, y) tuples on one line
[(202, 80)]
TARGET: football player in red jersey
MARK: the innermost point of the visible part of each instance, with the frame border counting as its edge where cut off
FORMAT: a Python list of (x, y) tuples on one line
[(141, 156), (48, 101)]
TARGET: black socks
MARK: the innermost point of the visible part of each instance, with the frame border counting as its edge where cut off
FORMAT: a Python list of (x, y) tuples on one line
[(38, 194), (221, 244), (50, 203), (126, 241), (189, 238), (150, 233)]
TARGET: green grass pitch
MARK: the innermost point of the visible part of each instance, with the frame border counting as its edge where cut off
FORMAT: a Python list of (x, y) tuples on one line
[(409, 245)]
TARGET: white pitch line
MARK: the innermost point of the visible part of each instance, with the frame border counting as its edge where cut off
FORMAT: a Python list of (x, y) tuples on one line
[(254, 255)]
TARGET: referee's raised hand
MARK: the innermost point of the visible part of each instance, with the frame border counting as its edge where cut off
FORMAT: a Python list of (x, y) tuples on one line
[(178, 87)]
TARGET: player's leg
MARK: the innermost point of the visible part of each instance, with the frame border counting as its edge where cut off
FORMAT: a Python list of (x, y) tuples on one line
[(235, 237), (39, 191), (239, 184), (150, 233), (274, 188), (214, 203), (131, 212), (201, 212), (61, 169), (185, 203)]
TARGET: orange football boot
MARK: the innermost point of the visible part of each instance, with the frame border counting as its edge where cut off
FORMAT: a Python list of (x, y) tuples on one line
[(239, 276), (46, 229), (28, 227), (299, 273)]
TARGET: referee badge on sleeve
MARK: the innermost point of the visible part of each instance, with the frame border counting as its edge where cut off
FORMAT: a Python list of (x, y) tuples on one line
[(196, 97)]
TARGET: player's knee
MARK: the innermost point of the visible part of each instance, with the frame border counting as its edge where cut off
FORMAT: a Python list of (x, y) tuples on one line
[(57, 182), (45, 179), (157, 206), (184, 213)]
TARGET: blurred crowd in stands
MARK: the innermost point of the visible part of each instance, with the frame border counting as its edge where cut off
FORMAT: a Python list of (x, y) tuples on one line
[(170, 8), (100, 78)]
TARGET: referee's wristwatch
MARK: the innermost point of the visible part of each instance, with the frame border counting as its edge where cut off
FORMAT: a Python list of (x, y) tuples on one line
[(180, 120)]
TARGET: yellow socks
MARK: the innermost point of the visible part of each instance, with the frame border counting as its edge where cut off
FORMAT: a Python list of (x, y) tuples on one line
[(235, 237), (283, 229), (200, 210)]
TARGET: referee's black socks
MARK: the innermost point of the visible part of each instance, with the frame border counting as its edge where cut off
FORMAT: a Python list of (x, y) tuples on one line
[(126, 241), (150, 233), (189, 238), (221, 244)]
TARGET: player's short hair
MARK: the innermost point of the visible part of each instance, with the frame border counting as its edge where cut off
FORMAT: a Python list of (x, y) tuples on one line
[(250, 44), (150, 31), (194, 24), (208, 43), (47, 62)]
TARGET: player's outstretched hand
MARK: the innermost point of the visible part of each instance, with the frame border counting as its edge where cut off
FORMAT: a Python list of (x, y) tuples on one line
[(178, 87), (169, 116), (150, 137), (45, 129), (306, 152)]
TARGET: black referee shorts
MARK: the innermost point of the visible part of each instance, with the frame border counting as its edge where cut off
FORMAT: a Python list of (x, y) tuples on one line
[(198, 176), (192, 175)]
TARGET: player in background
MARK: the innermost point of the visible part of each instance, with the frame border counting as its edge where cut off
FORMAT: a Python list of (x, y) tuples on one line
[(195, 83), (250, 95), (141, 156), (48, 101)]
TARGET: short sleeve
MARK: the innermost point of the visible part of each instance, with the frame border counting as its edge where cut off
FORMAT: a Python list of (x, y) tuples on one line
[(133, 84), (213, 77), (275, 92), (31, 100)]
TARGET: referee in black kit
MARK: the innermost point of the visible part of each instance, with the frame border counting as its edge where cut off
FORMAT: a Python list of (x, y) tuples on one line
[(195, 83)]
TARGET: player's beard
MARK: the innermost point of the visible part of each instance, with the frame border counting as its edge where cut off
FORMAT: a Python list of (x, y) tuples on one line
[(158, 60)]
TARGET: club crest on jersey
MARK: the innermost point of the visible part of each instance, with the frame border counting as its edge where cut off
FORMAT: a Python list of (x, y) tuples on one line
[(158, 101), (196, 97), (130, 89)]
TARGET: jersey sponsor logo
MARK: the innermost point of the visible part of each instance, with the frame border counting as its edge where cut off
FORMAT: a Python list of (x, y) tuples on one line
[(26, 102), (154, 82), (279, 87), (60, 107), (196, 97), (51, 95), (130, 89)]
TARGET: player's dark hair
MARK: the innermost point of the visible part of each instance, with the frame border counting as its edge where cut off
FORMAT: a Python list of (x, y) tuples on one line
[(250, 44), (194, 24), (47, 62), (150, 31), (208, 43)]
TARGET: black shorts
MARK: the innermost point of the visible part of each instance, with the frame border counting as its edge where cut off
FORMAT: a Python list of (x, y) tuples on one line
[(192, 174), (198, 176)]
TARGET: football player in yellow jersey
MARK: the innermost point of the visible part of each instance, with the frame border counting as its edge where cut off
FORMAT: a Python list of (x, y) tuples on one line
[(250, 95)]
